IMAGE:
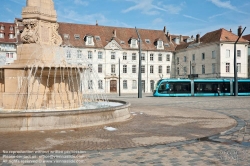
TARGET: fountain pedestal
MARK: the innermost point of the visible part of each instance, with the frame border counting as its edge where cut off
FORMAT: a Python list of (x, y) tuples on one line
[(34, 81)]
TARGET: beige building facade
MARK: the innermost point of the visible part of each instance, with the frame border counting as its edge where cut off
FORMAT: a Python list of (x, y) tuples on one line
[(211, 56), (101, 47)]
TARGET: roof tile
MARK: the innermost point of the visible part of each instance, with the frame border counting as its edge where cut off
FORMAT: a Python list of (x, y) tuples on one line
[(106, 33), (247, 37)]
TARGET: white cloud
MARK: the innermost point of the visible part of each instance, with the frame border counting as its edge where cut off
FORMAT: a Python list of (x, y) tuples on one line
[(9, 10), (194, 18), (226, 5), (20, 2), (81, 2), (157, 21), (147, 7), (172, 9), (218, 15), (71, 15)]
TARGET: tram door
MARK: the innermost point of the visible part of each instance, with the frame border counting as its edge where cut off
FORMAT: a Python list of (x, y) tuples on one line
[(152, 84), (113, 86), (143, 85)]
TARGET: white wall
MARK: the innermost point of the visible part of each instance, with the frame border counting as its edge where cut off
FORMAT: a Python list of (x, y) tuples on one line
[(220, 60), (242, 60)]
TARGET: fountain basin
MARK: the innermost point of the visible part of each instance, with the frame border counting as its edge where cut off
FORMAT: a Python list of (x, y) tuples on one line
[(66, 119)]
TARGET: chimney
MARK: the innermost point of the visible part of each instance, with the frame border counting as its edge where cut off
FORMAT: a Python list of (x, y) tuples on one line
[(96, 23), (230, 30), (169, 37), (165, 30), (198, 38), (181, 38), (239, 30), (114, 33)]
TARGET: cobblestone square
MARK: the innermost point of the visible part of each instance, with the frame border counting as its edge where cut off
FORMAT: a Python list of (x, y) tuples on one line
[(161, 131)]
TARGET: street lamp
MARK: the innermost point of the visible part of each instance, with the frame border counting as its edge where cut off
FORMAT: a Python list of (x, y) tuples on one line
[(119, 79), (235, 66), (139, 72)]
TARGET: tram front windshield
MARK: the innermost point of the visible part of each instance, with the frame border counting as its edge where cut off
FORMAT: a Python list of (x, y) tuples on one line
[(163, 87)]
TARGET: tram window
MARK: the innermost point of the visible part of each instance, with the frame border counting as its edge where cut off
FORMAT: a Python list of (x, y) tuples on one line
[(196, 87), (215, 88), (180, 88), (225, 87), (244, 87), (206, 87), (211, 87)]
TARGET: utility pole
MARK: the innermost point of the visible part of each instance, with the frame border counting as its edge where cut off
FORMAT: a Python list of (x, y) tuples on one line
[(119, 79), (139, 71), (235, 66)]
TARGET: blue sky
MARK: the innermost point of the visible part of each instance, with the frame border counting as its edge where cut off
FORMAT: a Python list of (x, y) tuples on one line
[(186, 17)]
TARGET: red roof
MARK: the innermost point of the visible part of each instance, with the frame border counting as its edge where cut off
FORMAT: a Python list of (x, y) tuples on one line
[(8, 28), (107, 33), (247, 37), (220, 35)]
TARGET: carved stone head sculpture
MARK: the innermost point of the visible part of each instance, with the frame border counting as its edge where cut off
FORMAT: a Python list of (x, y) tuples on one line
[(30, 34), (39, 19)]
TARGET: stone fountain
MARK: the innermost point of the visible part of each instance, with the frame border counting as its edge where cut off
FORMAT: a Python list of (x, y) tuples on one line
[(40, 90)]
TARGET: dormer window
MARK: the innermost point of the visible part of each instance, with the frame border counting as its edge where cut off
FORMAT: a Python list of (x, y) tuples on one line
[(147, 41), (133, 43), (177, 40), (160, 44), (166, 44), (89, 41), (97, 38), (66, 36), (77, 36)]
